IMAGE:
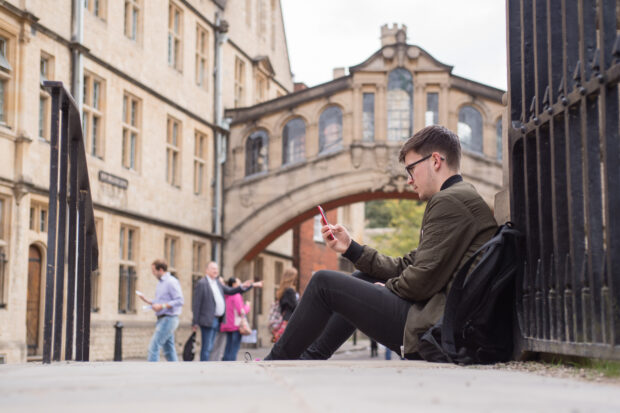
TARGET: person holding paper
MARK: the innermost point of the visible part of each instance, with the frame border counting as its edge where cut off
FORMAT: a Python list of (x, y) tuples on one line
[(167, 306)]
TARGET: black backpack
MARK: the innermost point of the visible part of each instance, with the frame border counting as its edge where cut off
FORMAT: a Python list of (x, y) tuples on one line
[(477, 325), (189, 349)]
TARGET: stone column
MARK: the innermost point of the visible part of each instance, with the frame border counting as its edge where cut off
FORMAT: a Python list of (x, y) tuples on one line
[(381, 114), (356, 129)]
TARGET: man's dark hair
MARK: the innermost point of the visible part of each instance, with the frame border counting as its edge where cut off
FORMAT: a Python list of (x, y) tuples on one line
[(160, 264), (431, 139)]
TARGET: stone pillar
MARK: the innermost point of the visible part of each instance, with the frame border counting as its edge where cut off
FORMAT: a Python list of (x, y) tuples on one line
[(444, 107), (356, 129), (419, 106), (381, 113)]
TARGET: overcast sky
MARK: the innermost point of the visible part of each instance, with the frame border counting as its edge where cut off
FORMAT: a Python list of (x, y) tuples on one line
[(467, 34)]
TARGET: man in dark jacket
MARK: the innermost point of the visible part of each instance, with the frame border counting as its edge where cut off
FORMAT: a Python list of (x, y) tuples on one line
[(209, 306), (395, 300)]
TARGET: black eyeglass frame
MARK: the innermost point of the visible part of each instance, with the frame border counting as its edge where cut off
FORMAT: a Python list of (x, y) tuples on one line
[(409, 168)]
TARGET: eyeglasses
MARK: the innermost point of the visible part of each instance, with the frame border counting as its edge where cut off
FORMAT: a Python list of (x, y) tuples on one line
[(409, 168)]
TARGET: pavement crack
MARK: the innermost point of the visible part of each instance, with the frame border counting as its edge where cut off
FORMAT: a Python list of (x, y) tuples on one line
[(299, 399)]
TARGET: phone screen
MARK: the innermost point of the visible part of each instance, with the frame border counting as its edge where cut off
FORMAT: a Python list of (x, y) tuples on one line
[(324, 219)]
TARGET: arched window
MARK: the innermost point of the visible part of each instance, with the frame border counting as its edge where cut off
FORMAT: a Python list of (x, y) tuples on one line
[(256, 153), (470, 128), (330, 129), (498, 131), (400, 104), (293, 141)]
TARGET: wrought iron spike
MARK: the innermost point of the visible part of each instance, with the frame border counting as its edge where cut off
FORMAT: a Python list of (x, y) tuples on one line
[(596, 61), (577, 72), (533, 106), (561, 90), (546, 97)]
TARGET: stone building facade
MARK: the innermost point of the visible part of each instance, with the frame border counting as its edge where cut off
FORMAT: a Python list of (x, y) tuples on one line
[(143, 74)]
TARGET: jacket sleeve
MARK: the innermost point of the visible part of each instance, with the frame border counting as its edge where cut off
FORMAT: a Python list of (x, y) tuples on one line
[(231, 291), (445, 236)]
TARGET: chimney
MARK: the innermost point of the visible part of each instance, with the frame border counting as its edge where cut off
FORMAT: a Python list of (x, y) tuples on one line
[(393, 35), (299, 86), (338, 72)]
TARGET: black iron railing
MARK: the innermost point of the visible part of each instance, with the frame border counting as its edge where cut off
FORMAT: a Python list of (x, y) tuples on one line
[(565, 172), (68, 177)]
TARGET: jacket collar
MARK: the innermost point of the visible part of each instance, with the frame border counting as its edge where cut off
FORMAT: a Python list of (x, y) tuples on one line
[(451, 181)]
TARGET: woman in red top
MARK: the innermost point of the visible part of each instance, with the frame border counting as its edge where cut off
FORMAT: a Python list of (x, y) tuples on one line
[(234, 304)]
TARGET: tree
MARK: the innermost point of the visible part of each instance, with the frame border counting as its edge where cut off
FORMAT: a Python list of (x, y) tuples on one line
[(406, 220)]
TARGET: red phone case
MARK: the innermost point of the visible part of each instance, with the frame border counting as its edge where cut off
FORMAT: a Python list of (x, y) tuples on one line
[(324, 219)]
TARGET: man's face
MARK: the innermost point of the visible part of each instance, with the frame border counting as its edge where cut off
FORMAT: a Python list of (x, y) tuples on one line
[(420, 176), (212, 270), (157, 273)]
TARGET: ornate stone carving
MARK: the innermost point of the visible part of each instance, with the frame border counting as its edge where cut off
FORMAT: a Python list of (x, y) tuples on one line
[(388, 53), (356, 156)]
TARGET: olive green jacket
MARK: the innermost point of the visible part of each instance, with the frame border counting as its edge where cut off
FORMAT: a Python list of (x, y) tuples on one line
[(456, 223)]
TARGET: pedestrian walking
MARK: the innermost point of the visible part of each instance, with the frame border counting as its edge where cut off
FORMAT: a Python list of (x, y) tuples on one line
[(167, 307)]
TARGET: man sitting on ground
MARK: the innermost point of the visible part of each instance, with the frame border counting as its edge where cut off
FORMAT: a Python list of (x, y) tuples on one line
[(395, 300)]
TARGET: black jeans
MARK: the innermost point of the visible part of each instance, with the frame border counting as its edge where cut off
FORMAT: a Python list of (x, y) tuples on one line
[(332, 307)]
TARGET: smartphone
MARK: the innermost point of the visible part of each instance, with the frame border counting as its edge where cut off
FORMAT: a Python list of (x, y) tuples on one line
[(324, 219)]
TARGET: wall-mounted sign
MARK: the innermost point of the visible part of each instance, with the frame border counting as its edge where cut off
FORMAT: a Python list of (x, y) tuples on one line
[(113, 180)]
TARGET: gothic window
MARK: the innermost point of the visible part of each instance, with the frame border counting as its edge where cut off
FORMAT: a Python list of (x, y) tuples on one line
[(400, 104), (330, 129), (470, 128), (256, 153), (294, 141)]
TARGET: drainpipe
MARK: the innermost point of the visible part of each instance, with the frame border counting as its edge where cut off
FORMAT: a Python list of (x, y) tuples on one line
[(77, 64), (221, 27)]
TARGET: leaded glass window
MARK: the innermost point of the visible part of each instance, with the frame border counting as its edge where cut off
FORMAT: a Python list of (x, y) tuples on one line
[(330, 129), (431, 116), (400, 104), (368, 117), (294, 141), (256, 153), (470, 128)]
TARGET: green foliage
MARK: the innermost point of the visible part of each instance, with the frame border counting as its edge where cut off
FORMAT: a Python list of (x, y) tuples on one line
[(377, 215), (405, 218)]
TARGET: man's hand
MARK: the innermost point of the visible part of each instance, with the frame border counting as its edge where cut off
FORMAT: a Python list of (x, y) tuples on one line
[(143, 298), (341, 240), (157, 307), (195, 327)]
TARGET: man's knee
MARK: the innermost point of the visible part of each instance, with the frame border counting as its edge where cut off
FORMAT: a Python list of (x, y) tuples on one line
[(320, 278)]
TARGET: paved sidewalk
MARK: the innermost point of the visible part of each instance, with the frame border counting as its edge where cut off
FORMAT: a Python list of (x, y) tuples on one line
[(296, 386)]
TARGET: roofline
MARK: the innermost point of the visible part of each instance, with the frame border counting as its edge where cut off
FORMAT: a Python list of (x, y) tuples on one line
[(378, 52), (241, 115)]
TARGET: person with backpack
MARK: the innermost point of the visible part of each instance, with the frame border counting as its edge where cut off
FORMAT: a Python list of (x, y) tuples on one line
[(395, 300)]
